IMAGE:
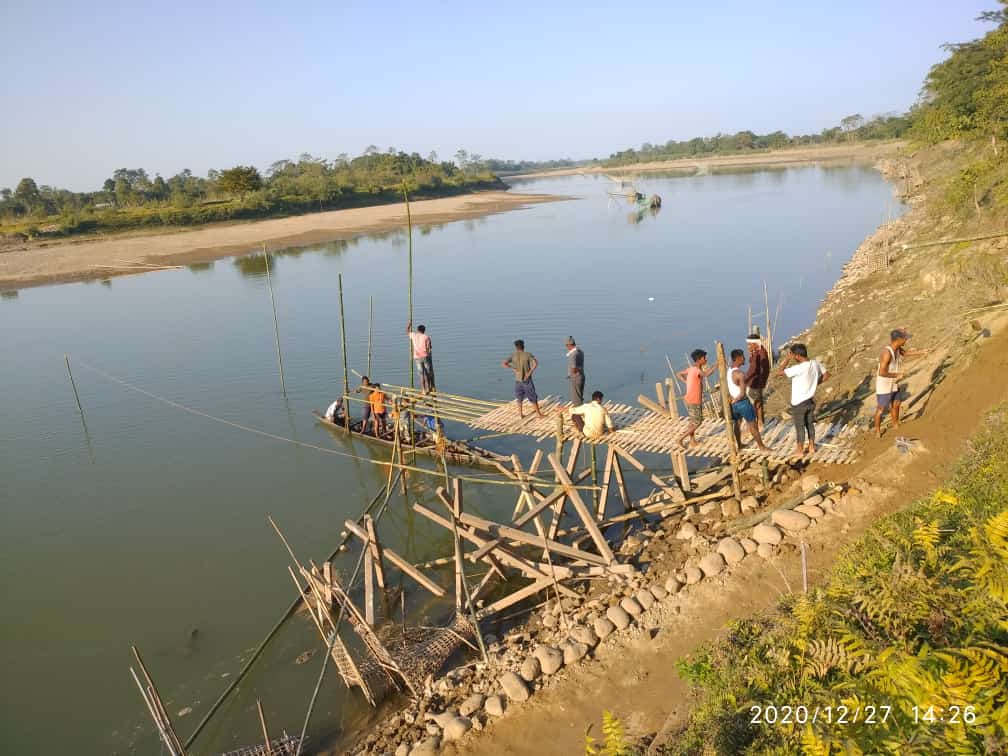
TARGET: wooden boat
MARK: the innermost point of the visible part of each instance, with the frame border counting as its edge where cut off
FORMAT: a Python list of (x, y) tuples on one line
[(456, 452)]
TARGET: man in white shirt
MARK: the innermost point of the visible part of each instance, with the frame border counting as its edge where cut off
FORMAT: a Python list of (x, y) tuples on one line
[(805, 375), (334, 412), (596, 418)]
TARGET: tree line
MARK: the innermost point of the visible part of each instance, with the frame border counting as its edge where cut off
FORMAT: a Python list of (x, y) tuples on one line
[(130, 198)]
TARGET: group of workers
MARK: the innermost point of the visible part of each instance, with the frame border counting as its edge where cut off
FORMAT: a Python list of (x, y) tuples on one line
[(745, 389)]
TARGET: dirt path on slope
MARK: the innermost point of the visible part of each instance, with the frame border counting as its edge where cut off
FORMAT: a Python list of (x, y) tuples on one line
[(636, 678)]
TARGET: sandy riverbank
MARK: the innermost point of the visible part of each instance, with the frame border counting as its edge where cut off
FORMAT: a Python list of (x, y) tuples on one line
[(140, 253), (855, 152)]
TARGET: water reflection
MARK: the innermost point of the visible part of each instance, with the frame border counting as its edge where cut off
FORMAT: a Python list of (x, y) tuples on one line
[(254, 265), (200, 267), (9, 294), (636, 216)]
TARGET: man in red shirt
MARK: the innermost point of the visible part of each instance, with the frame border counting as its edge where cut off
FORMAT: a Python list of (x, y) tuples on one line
[(757, 375), (694, 375)]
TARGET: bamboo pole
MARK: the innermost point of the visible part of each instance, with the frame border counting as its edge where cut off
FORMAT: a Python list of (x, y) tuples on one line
[(159, 707), (769, 333), (729, 422), (73, 385), (276, 327), (155, 715), (262, 721), (409, 238), (346, 374), (370, 330)]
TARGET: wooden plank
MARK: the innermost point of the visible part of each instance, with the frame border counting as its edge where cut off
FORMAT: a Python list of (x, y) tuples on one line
[(656, 408), (606, 478), (582, 510), (660, 394), (521, 536), (369, 615), (398, 561), (673, 400), (521, 594), (621, 484), (379, 565)]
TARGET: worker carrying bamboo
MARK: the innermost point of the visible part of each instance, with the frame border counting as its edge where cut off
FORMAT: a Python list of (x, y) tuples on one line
[(741, 406), (523, 364), (421, 346), (757, 375), (694, 376), (596, 417)]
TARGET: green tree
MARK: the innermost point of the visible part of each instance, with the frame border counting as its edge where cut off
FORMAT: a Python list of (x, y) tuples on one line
[(850, 124), (239, 180)]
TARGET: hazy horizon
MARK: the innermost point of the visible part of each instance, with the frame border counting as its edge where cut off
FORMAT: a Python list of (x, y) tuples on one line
[(99, 87)]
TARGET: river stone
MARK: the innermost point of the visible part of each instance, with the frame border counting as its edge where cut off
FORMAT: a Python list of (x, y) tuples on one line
[(765, 550), (748, 545), (809, 483), (494, 706), (530, 669), (644, 598), (603, 627), (790, 520), (426, 747), (618, 616), (585, 635), (443, 718), (731, 508), (693, 576), (731, 550), (402, 750), (458, 727), (686, 532), (764, 533), (550, 659), (574, 652), (827, 505), (750, 504), (817, 499), (709, 507), (471, 705), (631, 607), (514, 687), (712, 564), (672, 584), (810, 510), (658, 592)]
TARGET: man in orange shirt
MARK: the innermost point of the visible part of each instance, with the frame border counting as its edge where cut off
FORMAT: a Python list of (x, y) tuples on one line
[(376, 400), (694, 375)]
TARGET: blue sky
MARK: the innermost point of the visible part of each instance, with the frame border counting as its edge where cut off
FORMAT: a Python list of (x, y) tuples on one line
[(94, 86)]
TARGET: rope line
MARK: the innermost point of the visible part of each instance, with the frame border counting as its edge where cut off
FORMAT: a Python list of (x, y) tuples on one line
[(276, 437)]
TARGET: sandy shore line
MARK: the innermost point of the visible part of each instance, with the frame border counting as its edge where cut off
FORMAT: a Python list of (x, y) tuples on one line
[(794, 156), (141, 253)]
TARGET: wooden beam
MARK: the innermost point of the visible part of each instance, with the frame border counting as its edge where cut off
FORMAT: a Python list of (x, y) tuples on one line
[(733, 449), (635, 463), (376, 552), (521, 536), (519, 595), (398, 561), (369, 615), (673, 399), (606, 478), (660, 394), (582, 510)]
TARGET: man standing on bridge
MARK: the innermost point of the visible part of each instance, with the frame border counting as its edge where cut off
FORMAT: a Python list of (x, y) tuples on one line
[(421, 344), (523, 364), (757, 375), (575, 372)]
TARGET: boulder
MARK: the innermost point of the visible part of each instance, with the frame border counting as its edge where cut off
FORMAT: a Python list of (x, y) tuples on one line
[(402, 750), (574, 652), (731, 550), (550, 659), (809, 483), (687, 532), (789, 519), (817, 499), (693, 576), (631, 607), (765, 533), (618, 616), (672, 584), (456, 728), (514, 687), (585, 635), (750, 504), (603, 627), (827, 505), (709, 508), (443, 718), (810, 510), (749, 545), (494, 706), (529, 671), (658, 592), (731, 508), (712, 564), (765, 550), (471, 705), (644, 598), (426, 747)]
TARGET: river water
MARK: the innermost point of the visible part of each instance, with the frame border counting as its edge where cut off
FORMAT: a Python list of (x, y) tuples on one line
[(146, 524)]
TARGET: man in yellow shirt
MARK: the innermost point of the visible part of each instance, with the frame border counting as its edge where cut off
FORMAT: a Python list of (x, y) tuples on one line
[(596, 418)]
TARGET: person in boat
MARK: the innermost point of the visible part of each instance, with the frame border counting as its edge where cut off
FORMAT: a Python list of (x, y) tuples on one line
[(365, 388), (741, 406), (523, 364), (421, 344), (433, 426), (376, 402), (595, 418), (334, 412)]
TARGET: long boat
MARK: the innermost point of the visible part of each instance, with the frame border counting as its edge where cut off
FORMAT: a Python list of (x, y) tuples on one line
[(456, 452)]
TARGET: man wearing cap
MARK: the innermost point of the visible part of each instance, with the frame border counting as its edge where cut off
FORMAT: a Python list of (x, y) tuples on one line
[(890, 370), (757, 375), (575, 372)]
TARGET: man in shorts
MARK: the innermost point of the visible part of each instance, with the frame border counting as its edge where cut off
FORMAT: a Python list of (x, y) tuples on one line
[(758, 374), (890, 370), (421, 344), (523, 364), (741, 406), (694, 375)]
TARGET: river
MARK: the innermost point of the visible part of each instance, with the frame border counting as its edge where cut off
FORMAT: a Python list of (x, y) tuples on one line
[(145, 524)]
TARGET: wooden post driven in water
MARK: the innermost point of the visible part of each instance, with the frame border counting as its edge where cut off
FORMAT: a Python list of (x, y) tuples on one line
[(346, 371), (769, 334), (729, 422), (409, 242), (276, 327), (73, 385)]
